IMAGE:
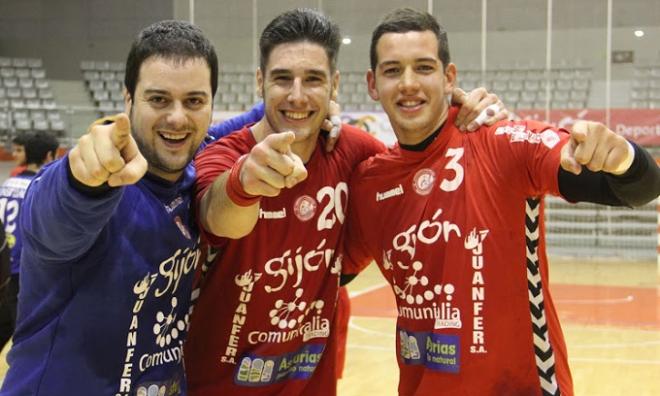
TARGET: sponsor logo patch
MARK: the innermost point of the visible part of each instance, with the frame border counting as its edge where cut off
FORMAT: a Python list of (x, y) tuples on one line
[(255, 370), (305, 208), (424, 181), (438, 352)]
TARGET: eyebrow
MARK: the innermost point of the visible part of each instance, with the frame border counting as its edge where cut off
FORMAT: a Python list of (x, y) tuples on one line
[(163, 92), (316, 72), (418, 60)]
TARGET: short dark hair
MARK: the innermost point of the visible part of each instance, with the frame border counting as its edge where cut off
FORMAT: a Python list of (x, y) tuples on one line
[(174, 40), (37, 147), (404, 20), (19, 140), (301, 24)]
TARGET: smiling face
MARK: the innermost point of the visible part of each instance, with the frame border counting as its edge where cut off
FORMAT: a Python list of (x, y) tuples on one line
[(411, 83), (297, 85), (170, 112)]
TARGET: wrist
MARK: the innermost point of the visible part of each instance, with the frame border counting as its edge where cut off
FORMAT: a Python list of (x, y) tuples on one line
[(625, 165), (234, 188)]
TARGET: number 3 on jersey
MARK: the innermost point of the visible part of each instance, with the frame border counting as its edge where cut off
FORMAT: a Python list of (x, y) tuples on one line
[(454, 155), (333, 209)]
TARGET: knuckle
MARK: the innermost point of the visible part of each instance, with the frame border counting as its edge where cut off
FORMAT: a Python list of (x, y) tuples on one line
[(258, 154), (594, 167), (98, 173), (581, 158), (113, 165), (84, 139)]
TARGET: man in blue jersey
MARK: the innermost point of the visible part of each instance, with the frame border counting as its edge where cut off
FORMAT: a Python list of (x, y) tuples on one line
[(110, 245), (40, 148)]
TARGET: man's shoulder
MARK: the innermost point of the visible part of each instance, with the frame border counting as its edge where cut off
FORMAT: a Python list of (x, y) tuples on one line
[(354, 135), (238, 137), (522, 136), (239, 142), (382, 162), (357, 144)]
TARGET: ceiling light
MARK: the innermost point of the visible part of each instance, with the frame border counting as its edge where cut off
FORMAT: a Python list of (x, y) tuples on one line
[(346, 40), (639, 33)]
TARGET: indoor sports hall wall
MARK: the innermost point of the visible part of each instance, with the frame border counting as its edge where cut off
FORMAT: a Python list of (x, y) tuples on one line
[(61, 65)]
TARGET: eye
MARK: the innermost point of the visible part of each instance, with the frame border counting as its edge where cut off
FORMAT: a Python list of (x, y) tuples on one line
[(195, 102), (391, 71), (426, 68), (158, 100), (314, 79)]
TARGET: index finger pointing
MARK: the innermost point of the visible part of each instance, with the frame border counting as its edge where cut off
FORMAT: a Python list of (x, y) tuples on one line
[(579, 131), (281, 142), (121, 131)]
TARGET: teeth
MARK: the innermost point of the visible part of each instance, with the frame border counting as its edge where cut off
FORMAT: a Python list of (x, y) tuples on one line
[(296, 115), (171, 136), (410, 103)]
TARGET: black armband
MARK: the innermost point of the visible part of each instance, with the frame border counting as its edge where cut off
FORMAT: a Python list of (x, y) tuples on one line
[(639, 185), (641, 182)]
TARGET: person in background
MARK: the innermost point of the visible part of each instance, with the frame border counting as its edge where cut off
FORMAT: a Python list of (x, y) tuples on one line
[(40, 148), (6, 321), (18, 153)]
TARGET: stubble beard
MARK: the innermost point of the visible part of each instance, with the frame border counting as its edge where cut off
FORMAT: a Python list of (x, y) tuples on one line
[(152, 156)]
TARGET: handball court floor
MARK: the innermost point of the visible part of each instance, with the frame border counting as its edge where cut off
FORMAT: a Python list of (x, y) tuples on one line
[(609, 309)]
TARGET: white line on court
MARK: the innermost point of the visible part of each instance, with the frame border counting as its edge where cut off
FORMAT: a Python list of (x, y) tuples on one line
[(352, 325), (572, 360), (370, 347), (366, 290), (617, 361), (623, 300), (631, 344)]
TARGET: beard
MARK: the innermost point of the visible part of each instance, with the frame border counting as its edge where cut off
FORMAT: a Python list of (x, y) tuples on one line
[(159, 161)]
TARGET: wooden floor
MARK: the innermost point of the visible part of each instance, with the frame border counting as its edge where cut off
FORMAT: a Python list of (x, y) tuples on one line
[(610, 313)]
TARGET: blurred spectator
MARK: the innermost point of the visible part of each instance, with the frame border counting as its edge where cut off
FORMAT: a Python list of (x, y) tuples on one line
[(18, 153), (36, 150)]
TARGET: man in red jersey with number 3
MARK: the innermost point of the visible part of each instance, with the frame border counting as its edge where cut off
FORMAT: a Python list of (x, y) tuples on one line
[(452, 221)]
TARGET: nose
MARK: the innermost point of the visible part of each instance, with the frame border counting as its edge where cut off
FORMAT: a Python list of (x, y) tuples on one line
[(408, 82), (297, 95), (177, 117)]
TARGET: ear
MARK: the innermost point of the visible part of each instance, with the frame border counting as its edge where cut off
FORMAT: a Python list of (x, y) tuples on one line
[(371, 85), (260, 83), (450, 77), (335, 86), (128, 101)]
